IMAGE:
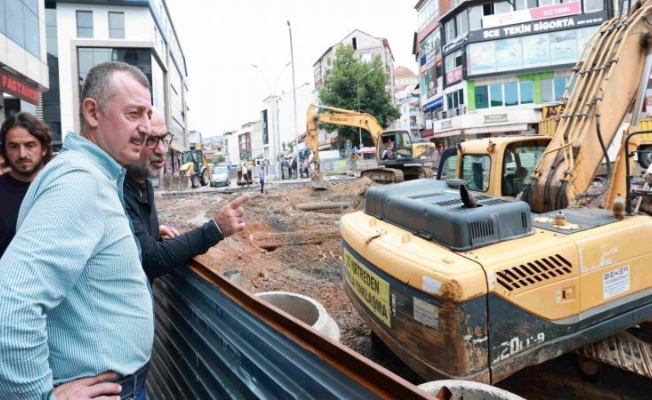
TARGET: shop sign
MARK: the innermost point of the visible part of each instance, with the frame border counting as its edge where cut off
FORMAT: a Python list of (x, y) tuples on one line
[(494, 118), (15, 86), (447, 124), (529, 28), (532, 14), (454, 75)]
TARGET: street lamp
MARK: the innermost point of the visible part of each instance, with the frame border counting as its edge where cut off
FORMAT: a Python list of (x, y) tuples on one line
[(357, 90), (275, 110), (294, 91)]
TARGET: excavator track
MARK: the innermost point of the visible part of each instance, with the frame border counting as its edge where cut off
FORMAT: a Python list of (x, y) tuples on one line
[(630, 350), (384, 175)]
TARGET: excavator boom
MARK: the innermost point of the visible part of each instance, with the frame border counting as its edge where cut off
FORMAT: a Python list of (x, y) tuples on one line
[(605, 83), (408, 159)]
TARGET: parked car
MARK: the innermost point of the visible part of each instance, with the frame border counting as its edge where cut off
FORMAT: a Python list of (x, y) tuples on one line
[(220, 176)]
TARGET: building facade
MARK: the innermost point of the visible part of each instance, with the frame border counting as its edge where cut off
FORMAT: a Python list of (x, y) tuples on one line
[(84, 33), (23, 58), (277, 129), (365, 47), (407, 99), (489, 67)]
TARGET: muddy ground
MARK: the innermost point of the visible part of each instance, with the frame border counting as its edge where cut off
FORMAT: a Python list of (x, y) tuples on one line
[(315, 270)]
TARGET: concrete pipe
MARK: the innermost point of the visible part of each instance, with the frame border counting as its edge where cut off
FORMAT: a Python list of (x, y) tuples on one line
[(457, 389), (305, 309)]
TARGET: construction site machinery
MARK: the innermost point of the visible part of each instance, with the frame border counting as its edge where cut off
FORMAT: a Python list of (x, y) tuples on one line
[(497, 166), (477, 287), (398, 157), (249, 178), (194, 167)]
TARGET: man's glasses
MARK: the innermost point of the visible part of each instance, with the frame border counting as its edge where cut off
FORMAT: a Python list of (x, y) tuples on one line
[(152, 140)]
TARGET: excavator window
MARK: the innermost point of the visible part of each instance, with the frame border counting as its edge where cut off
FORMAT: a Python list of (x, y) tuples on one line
[(475, 171), (519, 161), (401, 150), (389, 152)]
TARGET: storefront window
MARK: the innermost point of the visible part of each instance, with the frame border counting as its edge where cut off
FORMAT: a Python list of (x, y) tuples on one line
[(496, 95), (535, 51), (482, 97), (526, 92), (511, 94)]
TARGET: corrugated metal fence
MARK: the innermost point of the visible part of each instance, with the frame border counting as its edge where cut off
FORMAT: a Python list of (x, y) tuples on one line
[(216, 341)]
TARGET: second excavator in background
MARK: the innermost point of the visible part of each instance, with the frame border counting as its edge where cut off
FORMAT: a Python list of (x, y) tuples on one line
[(195, 167), (398, 156)]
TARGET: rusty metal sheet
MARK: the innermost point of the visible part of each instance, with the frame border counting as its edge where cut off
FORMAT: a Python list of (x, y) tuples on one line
[(215, 340)]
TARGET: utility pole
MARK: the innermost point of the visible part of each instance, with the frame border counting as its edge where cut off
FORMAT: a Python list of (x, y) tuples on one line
[(294, 92)]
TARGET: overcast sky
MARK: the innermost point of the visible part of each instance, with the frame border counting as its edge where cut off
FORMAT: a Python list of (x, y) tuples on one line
[(221, 39)]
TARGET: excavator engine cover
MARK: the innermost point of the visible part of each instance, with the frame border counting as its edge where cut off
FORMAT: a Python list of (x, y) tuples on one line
[(434, 210)]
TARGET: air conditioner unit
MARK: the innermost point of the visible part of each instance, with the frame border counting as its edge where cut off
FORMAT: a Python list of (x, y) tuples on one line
[(441, 115), (452, 112)]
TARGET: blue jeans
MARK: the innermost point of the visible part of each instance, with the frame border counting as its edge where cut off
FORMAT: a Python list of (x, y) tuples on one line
[(141, 394)]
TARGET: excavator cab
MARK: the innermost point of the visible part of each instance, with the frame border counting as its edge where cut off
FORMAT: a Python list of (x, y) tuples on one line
[(397, 150)]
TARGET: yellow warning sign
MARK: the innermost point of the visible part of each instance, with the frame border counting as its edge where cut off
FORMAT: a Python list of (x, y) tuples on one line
[(370, 289)]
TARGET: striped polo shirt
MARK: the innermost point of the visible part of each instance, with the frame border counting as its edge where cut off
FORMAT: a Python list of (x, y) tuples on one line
[(74, 299)]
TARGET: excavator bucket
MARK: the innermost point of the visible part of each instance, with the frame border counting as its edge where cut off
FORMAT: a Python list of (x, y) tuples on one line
[(318, 182), (184, 182)]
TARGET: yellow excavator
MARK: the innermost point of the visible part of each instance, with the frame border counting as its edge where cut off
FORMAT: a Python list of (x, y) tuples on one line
[(472, 286), (398, 156)]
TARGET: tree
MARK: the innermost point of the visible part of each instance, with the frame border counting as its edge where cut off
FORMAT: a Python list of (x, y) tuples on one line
[(339, 90)]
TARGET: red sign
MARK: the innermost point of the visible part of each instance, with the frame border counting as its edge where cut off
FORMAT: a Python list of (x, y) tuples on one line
[(454, 75), (556, 10), (10, 83)]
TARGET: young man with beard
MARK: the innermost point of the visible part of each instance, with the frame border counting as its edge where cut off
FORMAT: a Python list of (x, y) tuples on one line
[(25, 145), (162, 247)]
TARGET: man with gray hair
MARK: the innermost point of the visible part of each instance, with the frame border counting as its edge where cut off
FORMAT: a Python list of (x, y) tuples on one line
[(75, 304)]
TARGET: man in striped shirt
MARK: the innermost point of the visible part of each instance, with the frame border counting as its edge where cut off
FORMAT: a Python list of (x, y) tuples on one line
[(75, 305)]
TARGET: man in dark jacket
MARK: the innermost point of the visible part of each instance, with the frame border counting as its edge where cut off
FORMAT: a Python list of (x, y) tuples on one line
[(162, 247)]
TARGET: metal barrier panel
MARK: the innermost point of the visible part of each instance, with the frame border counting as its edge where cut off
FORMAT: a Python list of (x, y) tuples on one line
[(208, 346)]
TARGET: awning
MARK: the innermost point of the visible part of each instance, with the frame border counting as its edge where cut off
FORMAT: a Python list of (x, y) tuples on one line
[(496, 129), (177, 147), (433, 104), (427, 133)]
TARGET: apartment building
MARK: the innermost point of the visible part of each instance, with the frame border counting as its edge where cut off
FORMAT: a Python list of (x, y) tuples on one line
[(487, 68), (23, 61), (407, 99), (84, 33), (365, 47)]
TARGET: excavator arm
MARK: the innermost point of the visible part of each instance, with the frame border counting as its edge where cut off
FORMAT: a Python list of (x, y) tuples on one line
[(606, 82), (338, 116)]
